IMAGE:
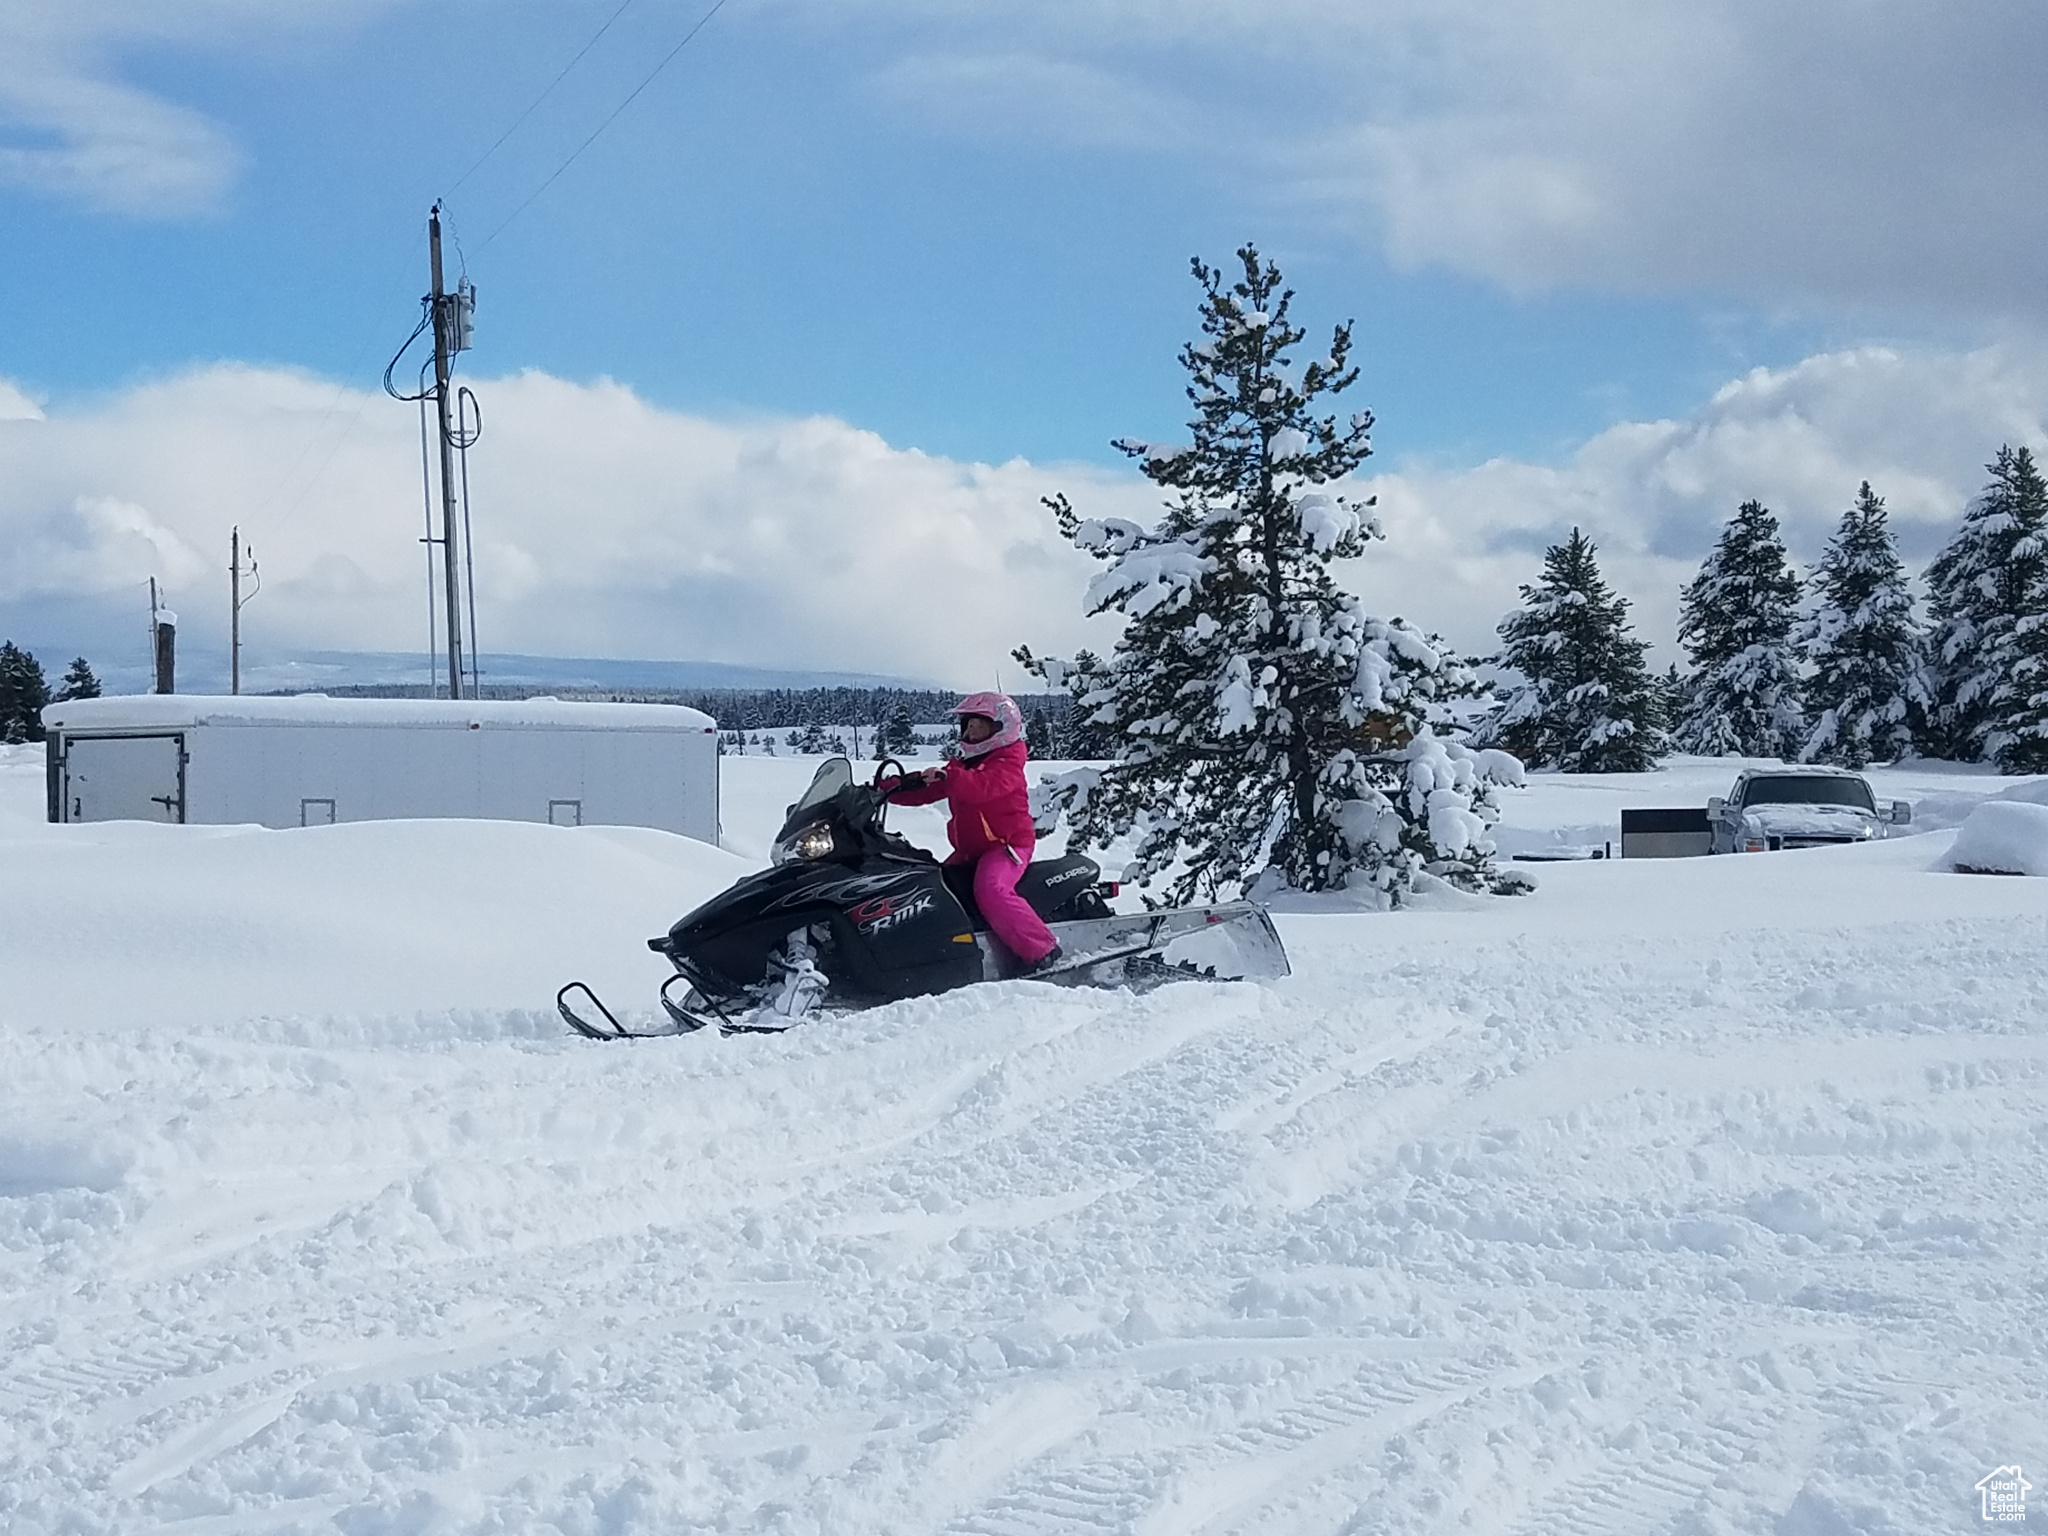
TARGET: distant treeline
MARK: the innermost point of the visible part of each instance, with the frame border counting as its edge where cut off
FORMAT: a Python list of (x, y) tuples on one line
[(767, 709)]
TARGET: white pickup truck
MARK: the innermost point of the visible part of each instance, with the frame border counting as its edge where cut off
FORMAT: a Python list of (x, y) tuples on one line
[(1767, 809), (1773, 808)]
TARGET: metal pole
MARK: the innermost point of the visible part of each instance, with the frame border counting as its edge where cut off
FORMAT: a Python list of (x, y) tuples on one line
[(235, 609), (442, 326)]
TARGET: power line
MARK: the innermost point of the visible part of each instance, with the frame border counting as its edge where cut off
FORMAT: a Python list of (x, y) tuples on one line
[(702, 22), (535, 103)]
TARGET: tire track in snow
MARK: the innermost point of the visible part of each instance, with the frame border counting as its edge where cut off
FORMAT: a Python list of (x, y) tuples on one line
[(1203, 1476), (1296, 1448)]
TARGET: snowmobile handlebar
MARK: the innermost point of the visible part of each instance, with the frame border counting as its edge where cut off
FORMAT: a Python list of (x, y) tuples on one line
[(905, 779)]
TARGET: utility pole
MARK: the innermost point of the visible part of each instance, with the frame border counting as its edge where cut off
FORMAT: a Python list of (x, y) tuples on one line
[(163, 642), (446, 344), (235, 601)]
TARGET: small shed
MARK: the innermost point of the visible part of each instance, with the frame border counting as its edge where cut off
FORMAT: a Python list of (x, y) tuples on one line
[(312, 760)]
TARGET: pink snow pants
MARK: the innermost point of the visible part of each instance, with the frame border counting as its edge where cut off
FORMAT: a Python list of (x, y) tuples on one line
[(1009, 915)]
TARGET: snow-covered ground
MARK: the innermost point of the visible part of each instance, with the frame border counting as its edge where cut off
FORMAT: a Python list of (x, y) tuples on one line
[(1683, 1196)]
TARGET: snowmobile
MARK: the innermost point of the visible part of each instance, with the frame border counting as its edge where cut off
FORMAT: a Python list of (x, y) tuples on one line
[(849, 914)]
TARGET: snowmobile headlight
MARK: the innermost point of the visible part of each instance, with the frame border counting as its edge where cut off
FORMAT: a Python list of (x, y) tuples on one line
[(812, 842)]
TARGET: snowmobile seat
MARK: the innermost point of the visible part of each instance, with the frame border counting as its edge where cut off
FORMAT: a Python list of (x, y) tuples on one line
[(1049, 885)]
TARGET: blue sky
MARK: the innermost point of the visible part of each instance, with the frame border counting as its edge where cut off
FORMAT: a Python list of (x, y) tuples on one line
[(963, 230)]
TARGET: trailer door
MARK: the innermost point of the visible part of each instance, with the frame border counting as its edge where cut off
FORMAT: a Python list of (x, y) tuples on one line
[(124, 778)]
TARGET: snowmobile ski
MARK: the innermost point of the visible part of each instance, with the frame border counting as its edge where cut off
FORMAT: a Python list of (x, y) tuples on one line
[(610, 1029)]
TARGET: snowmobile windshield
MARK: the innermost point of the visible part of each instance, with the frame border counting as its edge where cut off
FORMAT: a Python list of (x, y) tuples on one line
[(1808, 789), (834, 774)]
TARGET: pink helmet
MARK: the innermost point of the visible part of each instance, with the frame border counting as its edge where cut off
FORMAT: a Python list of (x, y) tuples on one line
[(999, 707)]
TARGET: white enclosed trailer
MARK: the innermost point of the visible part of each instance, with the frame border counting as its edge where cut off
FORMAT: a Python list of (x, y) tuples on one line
[(312, 760)]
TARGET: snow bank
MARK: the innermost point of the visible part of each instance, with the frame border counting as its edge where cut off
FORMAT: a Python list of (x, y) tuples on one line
[(2002, 837)]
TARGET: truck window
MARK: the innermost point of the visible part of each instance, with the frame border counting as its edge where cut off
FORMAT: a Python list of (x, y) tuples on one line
[(1803, 789)]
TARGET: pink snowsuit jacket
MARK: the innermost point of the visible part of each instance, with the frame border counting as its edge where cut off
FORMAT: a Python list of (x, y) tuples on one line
[(989, 801)]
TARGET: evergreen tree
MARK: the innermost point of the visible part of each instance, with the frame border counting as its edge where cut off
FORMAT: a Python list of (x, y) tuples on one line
[(1675, 690), (1987, 592), (1867, 693), (1735, 621), (23, 693), (1262, 720), (1588, 703), (78, 683), (899, 734), (1082, 738), (1038, 736)]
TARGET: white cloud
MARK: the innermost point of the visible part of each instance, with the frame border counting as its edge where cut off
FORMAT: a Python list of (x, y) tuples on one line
[(1654, 495), (1830, 150), (1045, 99), (607, 526), (72, 128), (1834, 151), (16, 406), (604, 526)]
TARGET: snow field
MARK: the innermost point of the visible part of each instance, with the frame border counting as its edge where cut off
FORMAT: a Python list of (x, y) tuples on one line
[(1688, 1196)]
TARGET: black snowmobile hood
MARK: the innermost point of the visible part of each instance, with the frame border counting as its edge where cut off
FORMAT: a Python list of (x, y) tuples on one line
[(792, 888)]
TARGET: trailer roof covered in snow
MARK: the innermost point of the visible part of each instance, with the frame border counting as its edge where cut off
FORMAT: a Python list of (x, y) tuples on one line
[(153, 711)]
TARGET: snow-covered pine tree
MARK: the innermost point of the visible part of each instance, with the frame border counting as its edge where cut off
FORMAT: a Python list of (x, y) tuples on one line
[(1986, 592), (24, 690), (1735, 620), (1265, 725), (1675, 690), (1038, 736), (899, 733), (1868, 691), (1081, 737), (78, 682), (1587, 702)]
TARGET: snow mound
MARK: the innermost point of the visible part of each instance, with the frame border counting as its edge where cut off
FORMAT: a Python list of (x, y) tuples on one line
[(2002, 837)]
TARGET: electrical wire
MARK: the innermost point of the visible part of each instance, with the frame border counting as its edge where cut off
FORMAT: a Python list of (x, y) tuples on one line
[(464, 436), (688, 36), (535, 103), (427, 498), (426, 319)]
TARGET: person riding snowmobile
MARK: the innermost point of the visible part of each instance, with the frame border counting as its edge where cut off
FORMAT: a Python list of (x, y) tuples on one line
[(989, 821)]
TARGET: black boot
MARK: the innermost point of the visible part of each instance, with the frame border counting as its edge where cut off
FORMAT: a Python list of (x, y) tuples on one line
[(1046, 962)]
